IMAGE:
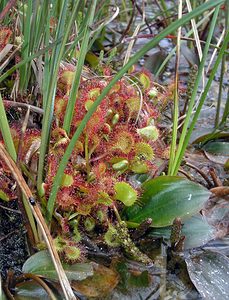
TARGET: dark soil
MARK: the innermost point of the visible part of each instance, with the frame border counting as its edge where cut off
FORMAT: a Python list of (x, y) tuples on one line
[(13, 246)]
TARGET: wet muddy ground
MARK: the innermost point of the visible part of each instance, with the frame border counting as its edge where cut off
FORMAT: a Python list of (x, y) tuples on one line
[(13, 247)]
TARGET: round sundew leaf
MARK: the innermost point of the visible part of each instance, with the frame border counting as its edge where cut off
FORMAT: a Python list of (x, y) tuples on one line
[(111, 237), (88, 104), (166, 198), (94, 93), (125, 193), (145, 80), (120, 165), (41, 264), (150, 133), (67, 180)]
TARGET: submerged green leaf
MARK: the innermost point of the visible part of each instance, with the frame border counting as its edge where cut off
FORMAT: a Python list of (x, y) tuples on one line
[(100, 284), (32, 290), (209, 273), (196, 230), (41, 264), (166, 198), (217, 148)]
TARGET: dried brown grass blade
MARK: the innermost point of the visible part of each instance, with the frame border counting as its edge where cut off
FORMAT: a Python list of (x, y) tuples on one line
[(6, 9), (66, 287)]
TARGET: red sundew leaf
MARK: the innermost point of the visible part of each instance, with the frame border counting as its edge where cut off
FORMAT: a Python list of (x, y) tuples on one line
[(53, 161), (99, 169), (65, 78), (67, 198), (6, 183), (145, 78), (30, 136), (5, 34), (88, 91), (123, 141), (60, 108)]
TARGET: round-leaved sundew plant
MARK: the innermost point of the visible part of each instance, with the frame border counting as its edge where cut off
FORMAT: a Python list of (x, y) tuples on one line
[(122, 138)]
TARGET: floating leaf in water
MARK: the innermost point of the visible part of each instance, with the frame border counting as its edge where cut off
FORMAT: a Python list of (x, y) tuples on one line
[(130, 279), (154, 60), (41, 264), (196, 230), (217, 159), (101, 283), (209, 272), (166, 198), (190, 55), (221, 148), (203, 138), (217, 151), (31, 290), (226, 165)]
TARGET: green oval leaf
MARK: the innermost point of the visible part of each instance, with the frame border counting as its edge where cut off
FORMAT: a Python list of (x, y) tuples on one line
[(166, 198), (41, 264)]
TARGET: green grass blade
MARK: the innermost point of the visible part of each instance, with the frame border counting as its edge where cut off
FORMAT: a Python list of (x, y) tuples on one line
[(202, 8), (225, 113), (25, 51), (46, 71), (28, 59), (176, 95), (223, 69), (80, 63), (47, 120), (176, 161), (188, 34), (5, 130), (202, 99)]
